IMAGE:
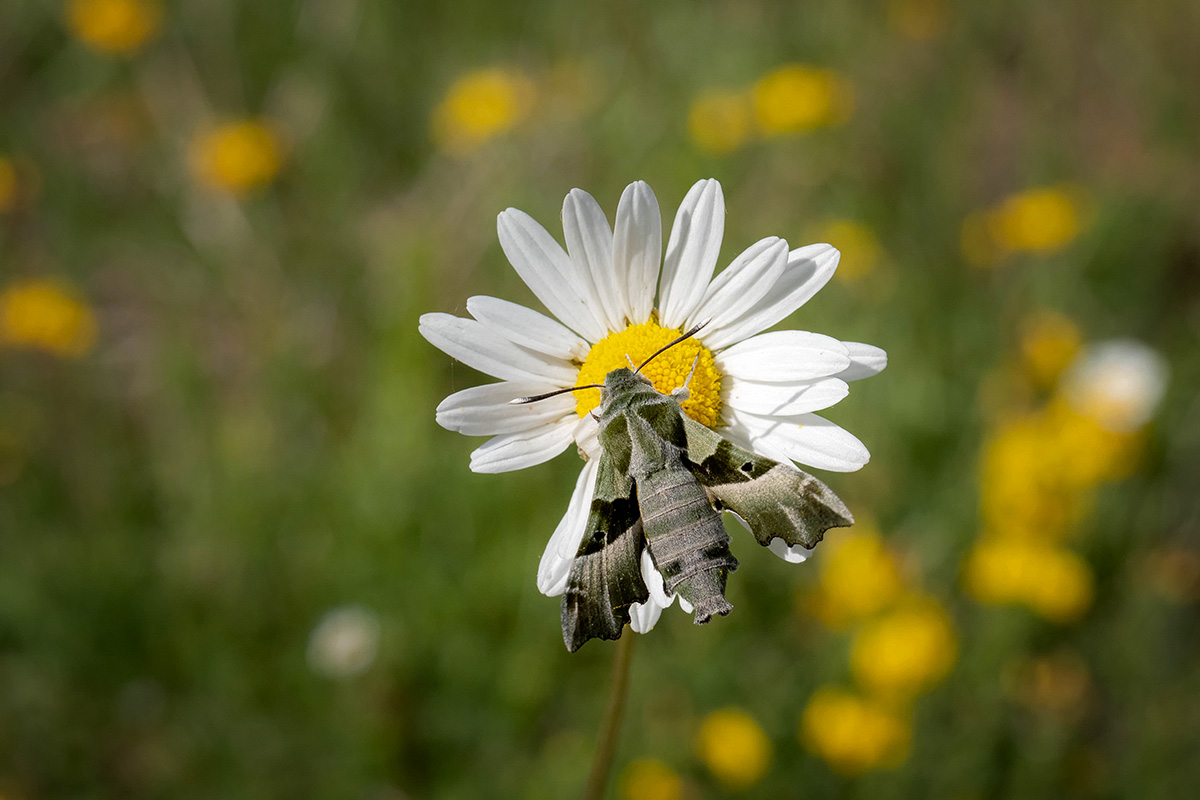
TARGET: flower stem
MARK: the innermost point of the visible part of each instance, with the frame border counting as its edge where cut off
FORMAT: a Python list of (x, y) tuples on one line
[(610, 728)]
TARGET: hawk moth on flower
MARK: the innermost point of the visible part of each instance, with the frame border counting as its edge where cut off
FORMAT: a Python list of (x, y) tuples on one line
[(663, 480)]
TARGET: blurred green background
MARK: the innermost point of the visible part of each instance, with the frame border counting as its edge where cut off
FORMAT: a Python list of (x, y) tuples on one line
[(238, 558)]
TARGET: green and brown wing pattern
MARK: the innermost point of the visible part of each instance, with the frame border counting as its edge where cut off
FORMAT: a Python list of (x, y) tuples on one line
[(606, 576), (775, 499)]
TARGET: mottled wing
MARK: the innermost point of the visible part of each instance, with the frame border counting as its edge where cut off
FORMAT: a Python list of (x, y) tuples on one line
[(775, 499), (606, 575)]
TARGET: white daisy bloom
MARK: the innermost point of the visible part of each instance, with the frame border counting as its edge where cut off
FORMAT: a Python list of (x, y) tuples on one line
[(344, 642), (1119, 383), (760, 389)]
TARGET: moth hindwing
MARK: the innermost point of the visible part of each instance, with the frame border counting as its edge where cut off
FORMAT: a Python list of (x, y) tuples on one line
[(662, 481)]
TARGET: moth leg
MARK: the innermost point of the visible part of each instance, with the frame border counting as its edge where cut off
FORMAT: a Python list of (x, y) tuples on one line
[(682, 393)]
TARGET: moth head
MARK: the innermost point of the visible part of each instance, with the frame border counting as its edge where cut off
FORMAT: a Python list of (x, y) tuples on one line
[(622, 380)]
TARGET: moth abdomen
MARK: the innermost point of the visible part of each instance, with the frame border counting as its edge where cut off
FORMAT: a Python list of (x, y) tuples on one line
[(687, 540)]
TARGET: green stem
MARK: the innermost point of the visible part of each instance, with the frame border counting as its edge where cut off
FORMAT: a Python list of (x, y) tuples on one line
[(610, 728)]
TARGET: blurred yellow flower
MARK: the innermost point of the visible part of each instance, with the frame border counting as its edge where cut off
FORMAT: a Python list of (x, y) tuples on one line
[(118, 27), (1084, 453), (1049, 343), (1024, 488), (8, 185), (1053, 581), (1042, 220), (1039, 470), (719, 121), (1039, 220), (480, 106), (1066, 587), (46, 315), (858, 245), (650, 779), (797, 98), (906, 650), (858, 577), (854, 734), (923, 20), (237, 157), (734, 747)]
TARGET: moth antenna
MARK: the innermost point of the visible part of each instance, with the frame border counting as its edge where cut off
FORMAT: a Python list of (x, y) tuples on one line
[(681, 393), (694, 330), (520, 401), (692, 372), (630, 360)]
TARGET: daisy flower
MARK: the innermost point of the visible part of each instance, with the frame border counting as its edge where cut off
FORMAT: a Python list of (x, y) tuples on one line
[(758, 389)]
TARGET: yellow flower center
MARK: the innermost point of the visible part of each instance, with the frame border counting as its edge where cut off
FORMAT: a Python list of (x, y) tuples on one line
[(667, 372)]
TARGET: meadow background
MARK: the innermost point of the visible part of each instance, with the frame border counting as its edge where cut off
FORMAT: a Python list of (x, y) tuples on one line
[(238, 558)]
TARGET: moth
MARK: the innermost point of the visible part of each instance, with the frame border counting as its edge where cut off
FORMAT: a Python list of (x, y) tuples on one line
[(663, 480)]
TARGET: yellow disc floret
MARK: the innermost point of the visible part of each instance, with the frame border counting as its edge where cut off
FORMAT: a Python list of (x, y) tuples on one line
[(667, 372)]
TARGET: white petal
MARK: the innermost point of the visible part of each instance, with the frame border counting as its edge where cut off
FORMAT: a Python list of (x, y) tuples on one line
[(793, 554), (513, 451), (637, 250), (740, 435), (644, 616), (550, 273), (477, 346), (692, 252), (555, 567), (865, 360), (587, 436), (806, 438), (808, 269), (654, 581), (783, 399), (784, 356), (528, 328), (685, 605), (486, 410), (590, 243), (750, 277)]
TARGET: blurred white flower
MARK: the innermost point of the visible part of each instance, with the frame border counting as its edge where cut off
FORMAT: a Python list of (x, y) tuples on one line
[(1118, 383), (344, 643)]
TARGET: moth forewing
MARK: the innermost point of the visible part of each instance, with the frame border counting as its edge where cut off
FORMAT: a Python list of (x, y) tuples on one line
[(775, 499), (606, 577)]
